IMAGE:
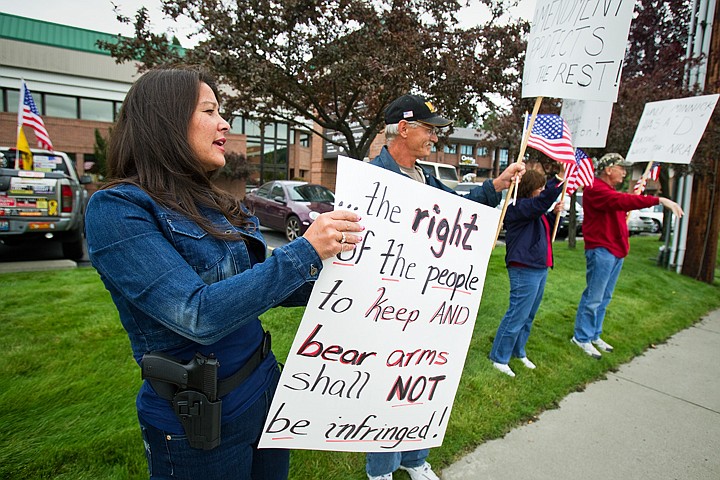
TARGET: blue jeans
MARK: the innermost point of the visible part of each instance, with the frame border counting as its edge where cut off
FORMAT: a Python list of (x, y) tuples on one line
[(603, 270), (169, 456), (527, 286), (382, 463)]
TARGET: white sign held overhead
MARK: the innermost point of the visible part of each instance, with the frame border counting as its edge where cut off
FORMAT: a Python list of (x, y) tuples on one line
[(670, 130), (379, 352), (576, 48), (588, 121)]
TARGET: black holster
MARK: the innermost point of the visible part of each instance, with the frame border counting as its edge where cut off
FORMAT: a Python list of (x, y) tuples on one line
[(194, 390), (199, 417)]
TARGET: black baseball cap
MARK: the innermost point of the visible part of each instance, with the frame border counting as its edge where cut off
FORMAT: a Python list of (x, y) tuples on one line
[(414, 108)]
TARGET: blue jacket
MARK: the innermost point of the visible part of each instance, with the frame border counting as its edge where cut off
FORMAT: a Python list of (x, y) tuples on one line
[(178, 290), (484, 193), (525, 234)]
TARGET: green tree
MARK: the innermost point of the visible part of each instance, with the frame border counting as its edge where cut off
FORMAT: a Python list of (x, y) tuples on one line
[(338, 63), (100, 153)]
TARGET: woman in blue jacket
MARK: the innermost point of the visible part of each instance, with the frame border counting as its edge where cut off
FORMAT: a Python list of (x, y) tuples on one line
[(186, 267), (528, 256)]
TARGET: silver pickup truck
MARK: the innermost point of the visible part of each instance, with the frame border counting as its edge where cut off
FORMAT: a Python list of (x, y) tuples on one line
[(45, 202)]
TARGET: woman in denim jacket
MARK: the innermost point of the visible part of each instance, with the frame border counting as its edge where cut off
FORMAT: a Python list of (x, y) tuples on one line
[(528, 256), (185, 265)]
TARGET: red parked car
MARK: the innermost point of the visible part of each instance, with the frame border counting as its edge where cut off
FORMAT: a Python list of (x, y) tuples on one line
[(289, 206)]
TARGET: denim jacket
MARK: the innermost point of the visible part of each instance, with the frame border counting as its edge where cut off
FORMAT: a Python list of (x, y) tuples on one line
[(180, 290)]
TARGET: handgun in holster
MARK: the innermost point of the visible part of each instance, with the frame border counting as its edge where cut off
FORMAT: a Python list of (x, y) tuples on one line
[(192, 388)]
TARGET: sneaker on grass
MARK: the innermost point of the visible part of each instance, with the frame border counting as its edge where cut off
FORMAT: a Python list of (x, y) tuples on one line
[(503, 367), (587, 348), (525, 361), (603, 345), (423, 472), (387, 476)]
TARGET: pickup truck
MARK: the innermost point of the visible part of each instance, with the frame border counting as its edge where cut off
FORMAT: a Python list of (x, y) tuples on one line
[(47, 202)]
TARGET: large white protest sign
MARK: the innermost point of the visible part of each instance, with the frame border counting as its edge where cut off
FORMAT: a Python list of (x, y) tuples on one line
[(576, 48), (670, 130), (378, 356), (588, 121)]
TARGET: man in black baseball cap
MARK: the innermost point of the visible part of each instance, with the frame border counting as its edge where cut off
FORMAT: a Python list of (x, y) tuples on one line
[(411, 130), (414, 108)]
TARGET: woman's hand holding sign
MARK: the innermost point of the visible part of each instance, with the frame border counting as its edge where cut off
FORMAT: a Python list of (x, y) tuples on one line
[(332, 233)]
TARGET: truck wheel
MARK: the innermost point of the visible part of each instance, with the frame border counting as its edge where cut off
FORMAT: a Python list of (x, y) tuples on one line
[(73, 250)]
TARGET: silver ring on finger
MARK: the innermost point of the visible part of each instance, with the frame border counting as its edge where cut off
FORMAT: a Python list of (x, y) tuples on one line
[(343, 239)]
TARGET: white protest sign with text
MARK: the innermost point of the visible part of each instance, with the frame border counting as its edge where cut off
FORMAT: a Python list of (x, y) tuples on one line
[(588, 121), (379, 352), (576, 48), (670, 130)]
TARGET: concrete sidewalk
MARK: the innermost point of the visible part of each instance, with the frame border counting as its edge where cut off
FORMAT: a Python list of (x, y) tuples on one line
[(657, 418)]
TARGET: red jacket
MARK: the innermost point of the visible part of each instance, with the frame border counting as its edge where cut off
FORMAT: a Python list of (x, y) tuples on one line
[(605, 223)]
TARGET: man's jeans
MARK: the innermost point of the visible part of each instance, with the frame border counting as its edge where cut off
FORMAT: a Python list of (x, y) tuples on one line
[(527, 286), (387, 462), (603, 270)]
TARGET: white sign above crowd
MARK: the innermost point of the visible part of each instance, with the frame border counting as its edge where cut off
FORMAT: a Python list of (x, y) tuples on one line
[(670, 130), (588, 121), (378, 355), (576, 49)]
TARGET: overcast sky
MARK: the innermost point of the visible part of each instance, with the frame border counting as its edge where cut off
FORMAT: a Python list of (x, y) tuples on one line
[(98, 14)]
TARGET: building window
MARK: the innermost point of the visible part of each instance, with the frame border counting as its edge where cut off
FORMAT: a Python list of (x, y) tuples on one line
[(482, 151), (13, 100), (91, 109), (304, 140), (466, 150), (503, 158), (252, 128), (60, 106), (452, 148)]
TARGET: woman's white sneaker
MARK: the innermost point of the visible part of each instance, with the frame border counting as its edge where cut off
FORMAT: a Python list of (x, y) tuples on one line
[(527, 363), (504, 368)]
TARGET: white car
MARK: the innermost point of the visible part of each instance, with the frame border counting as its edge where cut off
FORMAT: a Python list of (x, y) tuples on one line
[(638, 223), (463, 188), (654, 213)]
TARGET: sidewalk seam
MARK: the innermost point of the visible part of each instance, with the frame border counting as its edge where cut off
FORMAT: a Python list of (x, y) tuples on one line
[(665, 393)]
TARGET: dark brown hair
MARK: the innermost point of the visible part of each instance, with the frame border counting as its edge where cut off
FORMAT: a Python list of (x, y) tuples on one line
[(149, 148), (531, 181)]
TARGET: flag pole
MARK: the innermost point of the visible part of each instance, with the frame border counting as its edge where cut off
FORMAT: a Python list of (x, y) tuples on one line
[(19, 122), (645, 174), (521, 154), (562, 200)]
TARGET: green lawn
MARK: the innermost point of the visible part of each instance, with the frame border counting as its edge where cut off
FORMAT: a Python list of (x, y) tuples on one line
[(68, 381)]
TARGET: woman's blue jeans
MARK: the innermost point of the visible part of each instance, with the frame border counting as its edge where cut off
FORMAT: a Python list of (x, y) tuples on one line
[(603, 270), (382, 463), (237, 457), (527, 286)]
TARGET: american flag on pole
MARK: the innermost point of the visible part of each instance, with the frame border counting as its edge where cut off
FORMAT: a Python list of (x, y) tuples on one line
[(655, 171), (551, 135), (580, 173), (640, 186), (653, 174), (31, 118)]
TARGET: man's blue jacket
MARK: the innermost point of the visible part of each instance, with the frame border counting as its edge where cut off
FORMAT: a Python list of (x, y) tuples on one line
[(484, 193)]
